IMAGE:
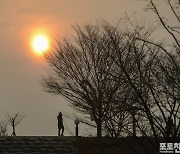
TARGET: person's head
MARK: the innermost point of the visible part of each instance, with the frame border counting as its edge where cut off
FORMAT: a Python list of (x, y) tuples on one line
[(60, 114)]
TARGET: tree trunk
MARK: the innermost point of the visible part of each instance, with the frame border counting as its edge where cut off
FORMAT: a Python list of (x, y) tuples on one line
[(14, 133), (99, 128)]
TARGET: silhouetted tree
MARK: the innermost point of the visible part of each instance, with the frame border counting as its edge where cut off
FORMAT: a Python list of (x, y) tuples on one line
[(167, 71), (170, 67), (121, 73), (3, 128), (80, 73), (14, 120), (153, 75), (135, 60)]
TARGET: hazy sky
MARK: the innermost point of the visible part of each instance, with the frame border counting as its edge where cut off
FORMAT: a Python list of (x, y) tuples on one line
[(21, 70)]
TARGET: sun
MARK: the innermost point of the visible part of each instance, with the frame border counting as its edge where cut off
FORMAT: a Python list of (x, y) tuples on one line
[(40, 43)]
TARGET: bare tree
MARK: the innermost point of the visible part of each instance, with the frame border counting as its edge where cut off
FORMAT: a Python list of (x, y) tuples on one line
[(111, 72), (88, 74), (153, 75), (3, 128), (168, 69), (140, 58), (170, 25), (80, 73), (14, 120)]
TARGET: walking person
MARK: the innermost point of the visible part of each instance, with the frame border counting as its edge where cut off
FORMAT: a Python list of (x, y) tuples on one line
[(60, 125)]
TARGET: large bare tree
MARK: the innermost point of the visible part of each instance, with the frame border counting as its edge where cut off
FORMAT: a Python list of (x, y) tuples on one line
[(169, 67), (117, 74), (79, 72), (154, 78), (136, 60)]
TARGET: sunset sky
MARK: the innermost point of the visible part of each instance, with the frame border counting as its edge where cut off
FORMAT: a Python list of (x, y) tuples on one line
[(21, 69)]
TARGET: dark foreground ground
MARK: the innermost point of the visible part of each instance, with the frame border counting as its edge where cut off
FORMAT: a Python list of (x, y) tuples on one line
[(109, 145), (73, 145)]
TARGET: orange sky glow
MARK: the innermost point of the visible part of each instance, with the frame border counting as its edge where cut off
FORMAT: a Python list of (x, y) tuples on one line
[(21, 68)]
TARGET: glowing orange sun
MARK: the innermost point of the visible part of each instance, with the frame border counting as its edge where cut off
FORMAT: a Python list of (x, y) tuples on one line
[(40, 44)]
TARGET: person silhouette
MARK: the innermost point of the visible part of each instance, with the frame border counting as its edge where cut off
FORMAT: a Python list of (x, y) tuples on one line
[(60, 124)]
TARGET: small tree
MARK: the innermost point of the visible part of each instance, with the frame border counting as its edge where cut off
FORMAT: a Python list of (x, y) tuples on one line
[(3, 128), (14, 120)]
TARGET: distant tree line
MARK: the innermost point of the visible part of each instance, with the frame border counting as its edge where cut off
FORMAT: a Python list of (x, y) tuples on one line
[(122, 75)]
